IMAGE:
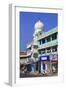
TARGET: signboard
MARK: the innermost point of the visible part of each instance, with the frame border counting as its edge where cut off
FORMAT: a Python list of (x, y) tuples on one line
[(53, 57), (44, 58)]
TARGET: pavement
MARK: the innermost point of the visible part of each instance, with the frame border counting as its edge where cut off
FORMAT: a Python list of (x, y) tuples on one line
[(36, 74)]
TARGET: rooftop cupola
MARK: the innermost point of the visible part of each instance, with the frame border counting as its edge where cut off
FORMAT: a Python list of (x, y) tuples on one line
[(38, 25)]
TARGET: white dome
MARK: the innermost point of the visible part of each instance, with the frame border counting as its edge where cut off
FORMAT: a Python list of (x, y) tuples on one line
[(39, 25)]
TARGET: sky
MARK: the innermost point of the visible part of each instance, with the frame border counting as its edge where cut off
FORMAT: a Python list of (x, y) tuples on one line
[(27, 21)]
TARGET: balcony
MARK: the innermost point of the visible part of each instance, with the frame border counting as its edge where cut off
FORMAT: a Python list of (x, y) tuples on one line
[(45, 34), (29, 53), (48, 44), (29, 46), (23, 61), (45, 54)]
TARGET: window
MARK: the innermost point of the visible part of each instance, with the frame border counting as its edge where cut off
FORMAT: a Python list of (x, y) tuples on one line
[(40, 33), (42, 51), (48, 50), (35, 46), (54, 48), (54, 36), (39, 52), (40, 42), (43, 41), (48, 39)]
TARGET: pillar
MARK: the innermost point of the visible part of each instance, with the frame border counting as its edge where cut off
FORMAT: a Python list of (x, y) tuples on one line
[(46, 67), (42, 70), (33, 68)]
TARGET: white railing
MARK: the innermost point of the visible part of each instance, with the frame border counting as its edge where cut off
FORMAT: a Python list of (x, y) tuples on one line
[(48, 44), (48, 53), (28, 52)]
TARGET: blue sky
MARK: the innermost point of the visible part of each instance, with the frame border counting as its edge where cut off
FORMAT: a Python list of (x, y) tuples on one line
[(27, 21)]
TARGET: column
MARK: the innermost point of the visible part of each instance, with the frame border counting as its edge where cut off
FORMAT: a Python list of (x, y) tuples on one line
[(42, 70), (46, 68), (51, 38), (33, 68)]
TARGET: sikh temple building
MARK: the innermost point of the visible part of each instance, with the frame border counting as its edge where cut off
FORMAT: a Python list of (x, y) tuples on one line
[(41, 56)]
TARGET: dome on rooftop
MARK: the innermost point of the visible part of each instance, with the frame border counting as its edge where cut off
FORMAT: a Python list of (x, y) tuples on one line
[(39, 25)]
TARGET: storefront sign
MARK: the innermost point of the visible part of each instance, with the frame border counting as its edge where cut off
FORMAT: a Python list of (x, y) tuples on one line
[(44, 58), (53, 57)]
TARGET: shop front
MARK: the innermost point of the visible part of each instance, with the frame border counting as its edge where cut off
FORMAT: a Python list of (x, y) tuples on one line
[(55, 67), (54, 63), (49, 64), (33, 66), (44, 64)]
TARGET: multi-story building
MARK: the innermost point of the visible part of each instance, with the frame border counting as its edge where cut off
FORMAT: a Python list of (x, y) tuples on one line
[(43, 50)]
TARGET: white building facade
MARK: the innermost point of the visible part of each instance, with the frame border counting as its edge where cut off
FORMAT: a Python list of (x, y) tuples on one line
[(43, 50)]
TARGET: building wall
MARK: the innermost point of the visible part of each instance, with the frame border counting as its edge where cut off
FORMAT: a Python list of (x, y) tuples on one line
[(49, 44)]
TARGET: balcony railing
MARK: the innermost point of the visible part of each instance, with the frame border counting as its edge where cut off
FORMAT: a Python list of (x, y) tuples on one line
[(45, 54), (48, 44), (45, 34), (28, 52)]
